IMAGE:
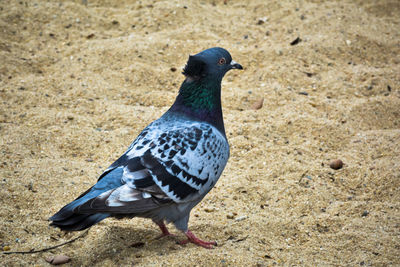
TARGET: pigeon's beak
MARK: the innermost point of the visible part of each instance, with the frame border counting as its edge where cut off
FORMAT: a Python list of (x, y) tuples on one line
[(235, 65)]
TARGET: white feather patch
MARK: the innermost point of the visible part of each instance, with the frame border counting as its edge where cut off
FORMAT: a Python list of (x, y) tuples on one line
[(123, 194), (129, 177)]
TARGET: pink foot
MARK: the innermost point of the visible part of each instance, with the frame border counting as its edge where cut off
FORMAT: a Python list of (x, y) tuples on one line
[(193, 239), (164, 230)]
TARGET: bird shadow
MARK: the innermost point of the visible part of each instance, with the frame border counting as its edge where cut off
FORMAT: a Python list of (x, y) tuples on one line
[(120, 242), (116, 241)]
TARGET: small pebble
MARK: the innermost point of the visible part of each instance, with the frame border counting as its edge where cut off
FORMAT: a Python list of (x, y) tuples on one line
[(58, 259), (296, 41), (258, 104), (309, 74), (209, 209), (262, 20), (336, 164), (241, 218), (230, 216), (365, 213), (6, 248)]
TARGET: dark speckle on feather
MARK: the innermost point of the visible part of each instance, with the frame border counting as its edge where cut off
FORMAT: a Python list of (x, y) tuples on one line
[(143, 134), (145, 142), (172, 153), (175, 169), (183, 163)]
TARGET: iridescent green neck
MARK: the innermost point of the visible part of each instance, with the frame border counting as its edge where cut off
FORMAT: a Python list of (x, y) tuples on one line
[(200, 100), (201, 95)]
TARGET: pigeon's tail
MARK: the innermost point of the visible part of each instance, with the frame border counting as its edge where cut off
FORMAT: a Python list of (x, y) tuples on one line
[(67, 220), (70, 219), (78, 222)]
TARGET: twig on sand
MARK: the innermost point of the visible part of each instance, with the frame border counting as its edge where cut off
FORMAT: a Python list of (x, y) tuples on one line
[(48, 248)]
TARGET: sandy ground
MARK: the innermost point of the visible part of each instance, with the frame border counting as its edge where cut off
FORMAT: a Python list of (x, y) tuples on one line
[(79, 82)]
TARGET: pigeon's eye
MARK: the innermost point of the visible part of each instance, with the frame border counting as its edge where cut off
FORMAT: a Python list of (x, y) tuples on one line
[(221, 61)]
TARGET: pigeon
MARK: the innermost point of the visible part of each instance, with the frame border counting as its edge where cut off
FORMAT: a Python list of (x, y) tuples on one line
[(173, 163)]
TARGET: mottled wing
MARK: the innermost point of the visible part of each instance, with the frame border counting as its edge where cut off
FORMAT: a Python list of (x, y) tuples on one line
[(186, 160), (128, 197), (178, 163)]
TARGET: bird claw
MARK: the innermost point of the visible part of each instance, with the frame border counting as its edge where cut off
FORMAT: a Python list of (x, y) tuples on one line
[(193, 239), (164, 230), (208, 245)]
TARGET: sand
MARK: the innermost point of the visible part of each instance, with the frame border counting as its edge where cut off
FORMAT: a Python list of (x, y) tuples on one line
[(79, 82)]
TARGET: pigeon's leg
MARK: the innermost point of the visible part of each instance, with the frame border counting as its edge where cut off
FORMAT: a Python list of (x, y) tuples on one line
[(164, 230), (193, 239)]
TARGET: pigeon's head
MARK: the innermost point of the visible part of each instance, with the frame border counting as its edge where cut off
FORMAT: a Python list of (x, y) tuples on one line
[(213, 63)]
